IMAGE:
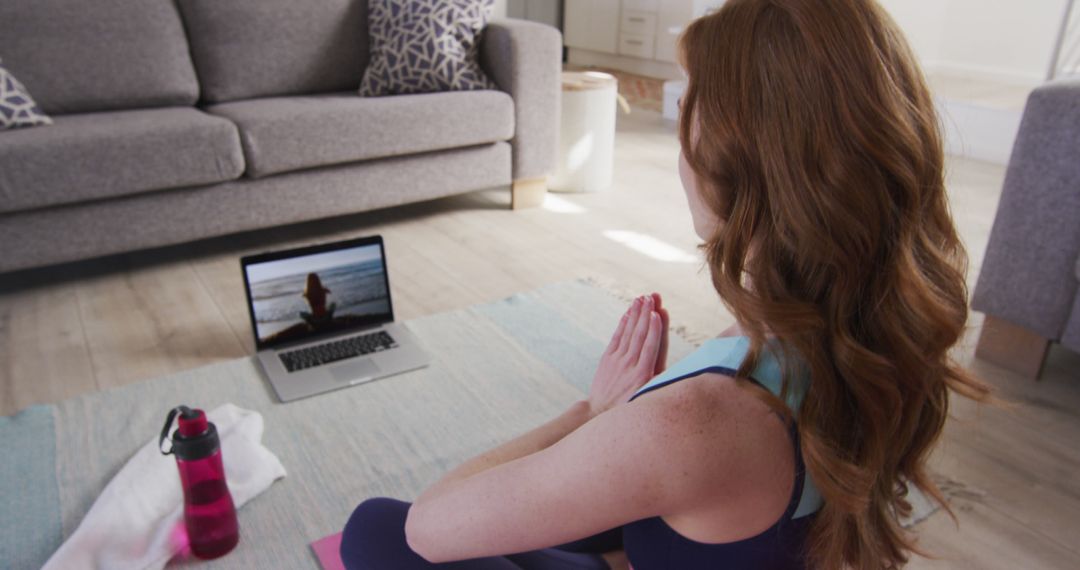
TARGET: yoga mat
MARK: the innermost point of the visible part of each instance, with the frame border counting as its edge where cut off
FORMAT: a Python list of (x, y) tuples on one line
[(498, 370)]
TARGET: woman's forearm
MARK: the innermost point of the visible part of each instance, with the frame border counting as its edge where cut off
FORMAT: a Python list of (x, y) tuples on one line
[(536, 440)]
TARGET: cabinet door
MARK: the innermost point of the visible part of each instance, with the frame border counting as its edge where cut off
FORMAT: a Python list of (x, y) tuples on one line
[(516, 9), (643, 5), (592, 24), (576, 16), (605, 25), (545, 11), (635, 45), (673, 18), (641, 23)]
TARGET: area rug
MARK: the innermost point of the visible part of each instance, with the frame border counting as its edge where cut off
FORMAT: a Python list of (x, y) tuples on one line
[(498, 370), (638, 90)]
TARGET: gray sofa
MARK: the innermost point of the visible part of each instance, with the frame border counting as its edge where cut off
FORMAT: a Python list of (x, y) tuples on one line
[(183, 119), (1029, 286)]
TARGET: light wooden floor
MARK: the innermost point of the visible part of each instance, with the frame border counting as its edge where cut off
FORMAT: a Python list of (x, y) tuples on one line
[(1011, 476)]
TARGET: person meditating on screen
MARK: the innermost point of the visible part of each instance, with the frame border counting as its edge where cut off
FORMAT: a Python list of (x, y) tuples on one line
[(813, 166), (315, 294)]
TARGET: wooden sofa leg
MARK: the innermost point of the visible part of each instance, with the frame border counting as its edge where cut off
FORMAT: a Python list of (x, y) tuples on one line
[(1012, 347), (527, 193)]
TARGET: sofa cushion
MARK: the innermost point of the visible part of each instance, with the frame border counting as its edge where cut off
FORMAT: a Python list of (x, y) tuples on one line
[(17, 107), (79, 55), (424, 46), (101, 155), (258, 48), (292, 133)]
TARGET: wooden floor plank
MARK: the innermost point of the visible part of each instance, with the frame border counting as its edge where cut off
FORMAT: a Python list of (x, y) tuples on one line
[(148, 321), (45, 353), (220, 277), (986, 539)]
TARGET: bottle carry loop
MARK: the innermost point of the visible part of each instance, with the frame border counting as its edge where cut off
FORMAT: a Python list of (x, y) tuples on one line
[(200, 441), (168, 424)]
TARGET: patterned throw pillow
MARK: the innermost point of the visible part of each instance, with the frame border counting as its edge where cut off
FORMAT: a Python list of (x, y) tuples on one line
[(422, 46), (17, 108)]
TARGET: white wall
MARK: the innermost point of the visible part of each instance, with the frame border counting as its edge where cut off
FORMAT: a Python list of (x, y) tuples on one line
[(923, 22), (1009, 40), (702, 7), (1003, 37)]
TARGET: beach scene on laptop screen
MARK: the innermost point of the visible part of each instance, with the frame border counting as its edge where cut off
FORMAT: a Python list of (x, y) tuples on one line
[(319, 293)]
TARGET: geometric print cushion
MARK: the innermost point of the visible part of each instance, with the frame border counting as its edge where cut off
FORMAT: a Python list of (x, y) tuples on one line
[(424, 46), (17, 108)]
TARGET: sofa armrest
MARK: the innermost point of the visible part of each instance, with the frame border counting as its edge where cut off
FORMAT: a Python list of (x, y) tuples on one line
[(525, 60), (1071, 337), (1028, 275)]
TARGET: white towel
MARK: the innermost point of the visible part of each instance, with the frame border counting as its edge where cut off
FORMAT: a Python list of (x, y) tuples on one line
[(133, 523)]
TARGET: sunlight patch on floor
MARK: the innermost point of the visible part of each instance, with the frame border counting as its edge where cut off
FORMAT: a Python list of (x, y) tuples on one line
[(651, 247), (561, 205)]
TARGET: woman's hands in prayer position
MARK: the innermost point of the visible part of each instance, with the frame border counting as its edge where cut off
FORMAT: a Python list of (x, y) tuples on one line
[(637, 352)]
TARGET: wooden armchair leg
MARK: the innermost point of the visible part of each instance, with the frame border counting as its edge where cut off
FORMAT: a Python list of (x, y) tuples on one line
[(527, 193), (1012, 347)]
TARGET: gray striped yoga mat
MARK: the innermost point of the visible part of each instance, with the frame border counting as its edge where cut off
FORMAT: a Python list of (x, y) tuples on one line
[(498, 370)]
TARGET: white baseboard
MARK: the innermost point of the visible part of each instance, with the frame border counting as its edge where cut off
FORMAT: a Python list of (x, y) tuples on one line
[(978, 132), (646, 67)]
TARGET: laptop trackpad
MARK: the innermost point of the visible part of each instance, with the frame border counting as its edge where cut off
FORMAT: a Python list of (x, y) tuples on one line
[(355, 371)]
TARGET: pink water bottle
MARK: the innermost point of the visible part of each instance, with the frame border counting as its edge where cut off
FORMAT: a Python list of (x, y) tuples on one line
[(209, 514)]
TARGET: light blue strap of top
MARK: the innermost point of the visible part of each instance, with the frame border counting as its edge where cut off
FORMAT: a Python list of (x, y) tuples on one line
[(725, 355)]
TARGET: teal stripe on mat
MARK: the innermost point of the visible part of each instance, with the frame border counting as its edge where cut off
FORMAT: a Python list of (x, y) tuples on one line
[(30, 508)]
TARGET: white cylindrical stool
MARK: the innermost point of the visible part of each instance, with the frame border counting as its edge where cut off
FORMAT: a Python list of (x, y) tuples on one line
[(587, 132)]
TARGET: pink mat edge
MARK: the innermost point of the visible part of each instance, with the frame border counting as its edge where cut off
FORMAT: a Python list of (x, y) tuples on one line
[(328, 550)]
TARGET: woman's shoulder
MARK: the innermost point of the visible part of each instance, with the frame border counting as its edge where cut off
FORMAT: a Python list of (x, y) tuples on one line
[(721, 444), (707, 397)]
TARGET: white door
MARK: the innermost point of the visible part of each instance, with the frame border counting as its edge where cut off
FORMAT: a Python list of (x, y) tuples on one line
[(673, 18), (591, 25)]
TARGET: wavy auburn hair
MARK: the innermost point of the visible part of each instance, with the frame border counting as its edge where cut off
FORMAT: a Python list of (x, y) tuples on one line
[(814, 139)]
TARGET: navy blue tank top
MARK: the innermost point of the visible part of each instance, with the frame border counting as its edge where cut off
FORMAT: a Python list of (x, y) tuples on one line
[(651, 544)]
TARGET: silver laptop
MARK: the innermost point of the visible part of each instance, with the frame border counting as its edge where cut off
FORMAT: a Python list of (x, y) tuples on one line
[(323, 318)]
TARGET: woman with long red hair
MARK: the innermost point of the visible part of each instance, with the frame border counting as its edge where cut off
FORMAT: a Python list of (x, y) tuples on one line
[(813, 165)]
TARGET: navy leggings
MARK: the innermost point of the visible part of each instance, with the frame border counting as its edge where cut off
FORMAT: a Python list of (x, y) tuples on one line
[(374, 539)]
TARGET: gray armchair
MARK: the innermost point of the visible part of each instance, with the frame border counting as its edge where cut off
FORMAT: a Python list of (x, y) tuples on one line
[(1029, 287)]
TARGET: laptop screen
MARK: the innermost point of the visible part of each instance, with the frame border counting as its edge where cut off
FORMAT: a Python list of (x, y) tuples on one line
[(305, 293)]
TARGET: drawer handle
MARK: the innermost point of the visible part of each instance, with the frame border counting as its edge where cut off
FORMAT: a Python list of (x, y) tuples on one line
[(638, 20), (635, 42)]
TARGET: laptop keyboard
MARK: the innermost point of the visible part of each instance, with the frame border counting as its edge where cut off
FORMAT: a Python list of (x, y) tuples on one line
[(337, 350)]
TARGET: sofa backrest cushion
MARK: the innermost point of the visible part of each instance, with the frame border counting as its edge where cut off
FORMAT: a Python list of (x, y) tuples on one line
[(98, 55), (258, 48)]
